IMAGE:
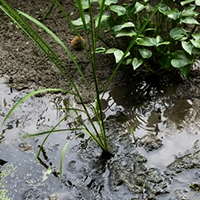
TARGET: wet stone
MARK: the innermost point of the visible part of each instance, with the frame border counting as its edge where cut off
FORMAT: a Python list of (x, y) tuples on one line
[(151, 197), (72, 165), (154, 176), (189, 161), (20, 87), (2, 162), (180, 195), (196, 145), (53, 197), (150, 142), (129, 169), (197, 175), (33, 194), (195, 187), (54, 147), (26, 147)]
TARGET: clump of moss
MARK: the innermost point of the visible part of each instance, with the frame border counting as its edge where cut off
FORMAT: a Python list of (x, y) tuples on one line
[(3, 194), (9, 171)]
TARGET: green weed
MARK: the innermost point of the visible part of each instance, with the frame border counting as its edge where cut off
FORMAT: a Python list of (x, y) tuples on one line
[(169, 40), (91, 24)]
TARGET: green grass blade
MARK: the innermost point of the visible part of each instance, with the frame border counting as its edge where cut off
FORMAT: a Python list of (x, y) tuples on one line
[(54, 58), (82, 14), (28, 96), (33, 36), (57, 39), (51, 131), (62, 158), (71, 24), (100, 16), (48, 12), (93, 60), (46, 132), (63, 154), (85, 128), (85, 108), (40, 42), (95, 138)]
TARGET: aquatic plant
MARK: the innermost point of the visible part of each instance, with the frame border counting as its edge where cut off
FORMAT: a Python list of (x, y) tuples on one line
[(96, 131), (169, 41)]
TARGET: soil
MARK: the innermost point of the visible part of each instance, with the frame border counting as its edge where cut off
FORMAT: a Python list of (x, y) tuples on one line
[(30, 69), (22, 60)]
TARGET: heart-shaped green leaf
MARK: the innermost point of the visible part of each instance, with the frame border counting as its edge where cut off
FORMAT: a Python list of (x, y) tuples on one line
[(196, 43), (187, 46), (79, 21), (189, 20), (163, 8), (100, 50), (126, 32), (146, 41), (186, 2), (158, 39), (178, 63), (163, 43), (185, 70), (120, 10), (145, 53), (178, 33), (173, 14), (196, 36), (197, 2), (180, 59), (109, 2), (85, 3), (189, 12), (138, 7), (104, 20), (196, 51), (117, 53), (136, 63), (123, 26)]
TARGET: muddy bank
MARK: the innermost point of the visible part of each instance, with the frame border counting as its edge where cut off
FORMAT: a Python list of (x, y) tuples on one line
[(22, 60), (151, 122)]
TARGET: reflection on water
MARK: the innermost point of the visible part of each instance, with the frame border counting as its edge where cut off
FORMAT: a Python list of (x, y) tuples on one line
[(176, 122), (159, 115), (151, 112)]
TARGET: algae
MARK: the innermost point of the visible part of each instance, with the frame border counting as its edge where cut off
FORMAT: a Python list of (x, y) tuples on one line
[(8, 171)]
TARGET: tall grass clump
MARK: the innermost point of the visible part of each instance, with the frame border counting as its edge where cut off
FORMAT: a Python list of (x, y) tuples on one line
[(91, 24)]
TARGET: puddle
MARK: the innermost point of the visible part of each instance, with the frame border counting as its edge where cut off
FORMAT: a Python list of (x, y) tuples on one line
[(178, 126), (148, 136), (181, 186)]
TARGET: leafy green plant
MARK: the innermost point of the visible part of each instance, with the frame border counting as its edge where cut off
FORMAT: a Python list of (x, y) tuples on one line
[(96, 130), (168, 41)]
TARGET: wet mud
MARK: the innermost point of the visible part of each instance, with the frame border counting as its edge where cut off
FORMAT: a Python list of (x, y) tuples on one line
[(158, 160), (152, 126)]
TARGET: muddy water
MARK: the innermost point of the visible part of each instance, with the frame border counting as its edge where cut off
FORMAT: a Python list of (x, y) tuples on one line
[(154, 139)]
